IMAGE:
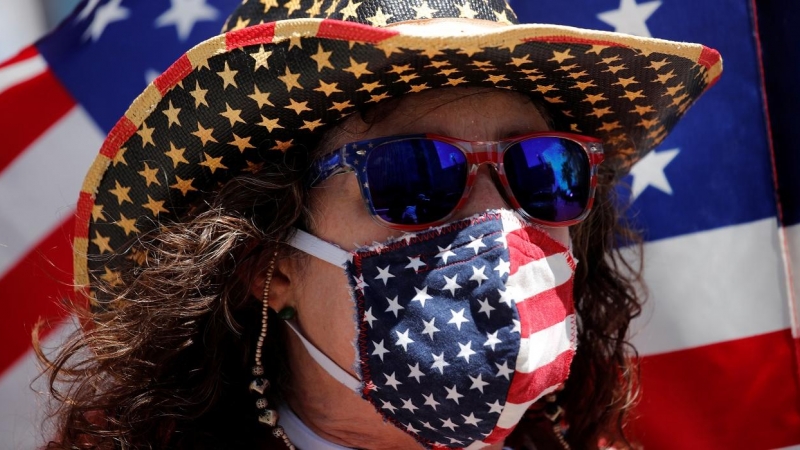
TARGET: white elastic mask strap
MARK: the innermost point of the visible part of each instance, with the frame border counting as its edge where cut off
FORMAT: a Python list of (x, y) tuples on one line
[(327, 364), (323, 250)]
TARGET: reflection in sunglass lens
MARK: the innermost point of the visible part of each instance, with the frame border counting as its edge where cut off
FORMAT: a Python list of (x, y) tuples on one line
[(415, 181), (549, 177)]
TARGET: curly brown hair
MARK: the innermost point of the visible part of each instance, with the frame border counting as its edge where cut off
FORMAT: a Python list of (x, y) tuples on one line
[(166, 363)]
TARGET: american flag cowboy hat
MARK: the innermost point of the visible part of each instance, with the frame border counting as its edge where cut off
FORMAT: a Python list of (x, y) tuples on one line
[(283, 70)]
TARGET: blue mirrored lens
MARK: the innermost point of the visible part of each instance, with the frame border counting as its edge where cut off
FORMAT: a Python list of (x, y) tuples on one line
[(550, 177), (415, 181)]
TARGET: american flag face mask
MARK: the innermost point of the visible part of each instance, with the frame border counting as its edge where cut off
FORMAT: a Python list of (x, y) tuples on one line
[(460, 327)]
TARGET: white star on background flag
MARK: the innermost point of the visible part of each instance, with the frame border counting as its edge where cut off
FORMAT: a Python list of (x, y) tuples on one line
[(649, 171), (630, 17), (105, 15), (87, 10), (184, 14), (150, 75)]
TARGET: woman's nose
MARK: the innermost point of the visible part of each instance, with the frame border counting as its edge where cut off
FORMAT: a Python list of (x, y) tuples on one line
[(484, 195)]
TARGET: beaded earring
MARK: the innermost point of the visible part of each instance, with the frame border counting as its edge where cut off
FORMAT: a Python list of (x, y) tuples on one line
[(260, 384)]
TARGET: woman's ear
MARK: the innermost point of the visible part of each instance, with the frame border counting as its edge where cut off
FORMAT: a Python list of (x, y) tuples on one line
[(281, 283)]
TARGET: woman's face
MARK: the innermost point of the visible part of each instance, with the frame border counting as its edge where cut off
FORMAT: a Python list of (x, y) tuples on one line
[(320, 292)]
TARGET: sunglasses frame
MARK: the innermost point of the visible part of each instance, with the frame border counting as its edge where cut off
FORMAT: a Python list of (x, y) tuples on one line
[(352, 157)]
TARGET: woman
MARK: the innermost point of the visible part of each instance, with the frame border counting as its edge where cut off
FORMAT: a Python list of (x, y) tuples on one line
[(457, 290)]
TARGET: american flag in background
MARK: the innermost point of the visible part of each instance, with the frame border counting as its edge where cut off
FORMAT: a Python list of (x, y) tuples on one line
[(719, 200), (719, 337)]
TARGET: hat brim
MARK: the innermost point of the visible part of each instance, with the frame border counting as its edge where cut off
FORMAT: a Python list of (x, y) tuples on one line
[(218, 110)]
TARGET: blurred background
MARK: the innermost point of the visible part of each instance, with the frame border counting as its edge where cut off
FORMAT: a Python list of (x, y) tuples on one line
[(718, 202), (24, 21)]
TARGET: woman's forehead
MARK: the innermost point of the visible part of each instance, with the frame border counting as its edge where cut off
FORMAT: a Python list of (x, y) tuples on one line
[(465, 113)]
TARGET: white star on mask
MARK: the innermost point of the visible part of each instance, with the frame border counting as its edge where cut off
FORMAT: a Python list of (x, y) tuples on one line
[(438, 362), (452, 394), (407, 404), (388, 405), (486, 308), (476, 243), (495, 407), (471, 419), (368, 317), (466, 351), (394, 305), (445, 253), (384, 275), (503, 371), (403, 339), (492, 340), (449, 424), (415, 264), (458, 318), (503, 267), (422, 295), (415, 372), (392, 381), (380, 350), (477, 382), (451, 284), (430, 401), (430, 328), (478, 275)]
